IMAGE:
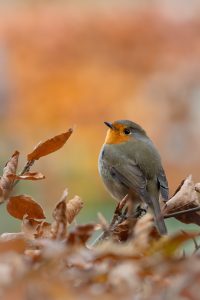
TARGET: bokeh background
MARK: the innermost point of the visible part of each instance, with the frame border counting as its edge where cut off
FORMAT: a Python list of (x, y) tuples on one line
[(79, 63)]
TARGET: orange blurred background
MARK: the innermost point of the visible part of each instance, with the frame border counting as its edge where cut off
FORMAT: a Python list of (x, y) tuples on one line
[(67, 64)]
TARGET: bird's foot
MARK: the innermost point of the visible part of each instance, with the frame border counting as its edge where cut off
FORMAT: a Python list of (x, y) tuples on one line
[(141, 211)]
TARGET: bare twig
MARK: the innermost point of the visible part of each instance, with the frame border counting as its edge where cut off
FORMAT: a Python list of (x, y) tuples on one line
[(118, 217), (182, 212), (26, 169)]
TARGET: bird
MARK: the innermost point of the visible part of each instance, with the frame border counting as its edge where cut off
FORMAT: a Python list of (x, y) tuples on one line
[(129, 164)]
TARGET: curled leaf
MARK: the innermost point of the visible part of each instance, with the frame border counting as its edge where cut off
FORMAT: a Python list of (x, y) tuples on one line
[(80, 234), (6, 183), (49, 146), (58, 227), (21, 205), (186, 197), (73, 208), (34, 229), (27, 176)]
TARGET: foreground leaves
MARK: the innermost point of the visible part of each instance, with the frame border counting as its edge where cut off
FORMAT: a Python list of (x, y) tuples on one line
[(55, 260)]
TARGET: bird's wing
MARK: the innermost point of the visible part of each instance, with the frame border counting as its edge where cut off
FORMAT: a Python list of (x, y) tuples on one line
[(130, 175), (162, 180)]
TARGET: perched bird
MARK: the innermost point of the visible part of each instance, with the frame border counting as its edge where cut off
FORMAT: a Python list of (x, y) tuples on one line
[(130, 164)]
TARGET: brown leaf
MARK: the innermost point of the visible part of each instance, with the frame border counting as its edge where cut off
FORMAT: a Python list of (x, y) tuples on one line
[(145, 232), (80, 234), (197, 187), (6, 183), (59, 226), (35, 229), (43, 230), (15, 245), (187, 197), (21, 205), (73, 207), (49, 146), (27, 176), (121, 231), (168, 245)]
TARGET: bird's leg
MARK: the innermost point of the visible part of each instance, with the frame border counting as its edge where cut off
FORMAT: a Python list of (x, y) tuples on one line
[(140, 211)]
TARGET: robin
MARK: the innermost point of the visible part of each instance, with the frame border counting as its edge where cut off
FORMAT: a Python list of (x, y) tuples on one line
[(129, 164)]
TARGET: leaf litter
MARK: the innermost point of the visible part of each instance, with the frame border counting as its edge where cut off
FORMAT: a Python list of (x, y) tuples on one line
[(55, 261)]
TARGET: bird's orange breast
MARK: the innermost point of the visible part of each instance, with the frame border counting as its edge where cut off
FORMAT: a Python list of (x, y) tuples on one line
[(116, 136)]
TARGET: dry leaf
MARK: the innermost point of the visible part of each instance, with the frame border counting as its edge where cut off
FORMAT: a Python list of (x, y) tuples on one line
[(6, 183), (49, 146), (35, 229), (73, 207), (15, 244), (121, 231), (80, 234), (27, 176), (145, 232), (7, 236), (197, 187), (168, 245), (59, 226), (21, 205), (187, 197), (43, 230)]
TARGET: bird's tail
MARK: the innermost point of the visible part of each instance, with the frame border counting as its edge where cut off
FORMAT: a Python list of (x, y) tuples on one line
[(159, 220)]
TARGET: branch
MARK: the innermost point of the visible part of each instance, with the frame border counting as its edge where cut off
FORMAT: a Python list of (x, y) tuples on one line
[(26, 169), (181, 212)]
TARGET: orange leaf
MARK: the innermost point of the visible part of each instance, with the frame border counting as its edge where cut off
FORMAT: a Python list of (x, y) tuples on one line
[(27, 176), (17, 245), (80, 234), (49, 146), (21, 205), (6, 183)]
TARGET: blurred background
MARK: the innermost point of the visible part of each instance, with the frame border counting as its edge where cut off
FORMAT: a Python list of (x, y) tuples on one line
[(79, 63)]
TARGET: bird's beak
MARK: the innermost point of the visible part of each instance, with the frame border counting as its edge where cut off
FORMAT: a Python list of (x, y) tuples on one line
[(110, 125)]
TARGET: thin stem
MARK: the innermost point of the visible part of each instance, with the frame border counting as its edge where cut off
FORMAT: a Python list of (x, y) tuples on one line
[(26, 169), (182, 212)]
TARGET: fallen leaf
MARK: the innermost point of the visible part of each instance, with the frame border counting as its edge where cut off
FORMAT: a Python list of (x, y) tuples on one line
[(121, 231), (21, 205), (186, 197), (35, 229), (15, 245), (6, 183), (43, 230), (7, 236), (197, 187), (80, 234), (73, 208), (27, 176), (59, 226), (145, 232), (49, 146), (168, 245)]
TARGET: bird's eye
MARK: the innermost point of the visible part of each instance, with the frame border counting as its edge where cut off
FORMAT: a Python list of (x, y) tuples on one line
[(127, 131)]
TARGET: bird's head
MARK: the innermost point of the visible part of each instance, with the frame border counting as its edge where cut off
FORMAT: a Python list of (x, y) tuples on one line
[(123, 131)]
